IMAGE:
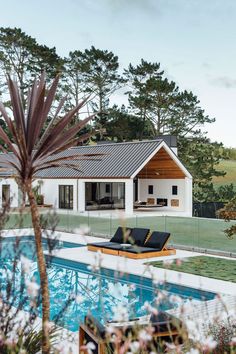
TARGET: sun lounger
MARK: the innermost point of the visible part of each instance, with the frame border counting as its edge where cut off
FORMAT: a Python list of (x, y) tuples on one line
[(166, 328), (123, 237), (155, 246), (138, 244)]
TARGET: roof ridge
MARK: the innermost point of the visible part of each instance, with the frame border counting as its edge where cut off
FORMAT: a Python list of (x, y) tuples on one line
[(121, 143)]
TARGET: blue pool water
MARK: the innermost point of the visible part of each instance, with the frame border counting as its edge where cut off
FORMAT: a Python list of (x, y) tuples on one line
[(76, 290)]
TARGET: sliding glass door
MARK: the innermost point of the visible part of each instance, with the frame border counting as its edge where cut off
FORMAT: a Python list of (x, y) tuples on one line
[(104, 195)]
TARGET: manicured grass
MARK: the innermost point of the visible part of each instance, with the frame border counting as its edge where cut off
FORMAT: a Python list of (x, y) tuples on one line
[(192, 232), (211, 267), (229, 166)]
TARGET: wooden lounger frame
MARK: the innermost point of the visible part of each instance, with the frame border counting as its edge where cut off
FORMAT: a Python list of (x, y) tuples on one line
[(101, 343), (164, 252)]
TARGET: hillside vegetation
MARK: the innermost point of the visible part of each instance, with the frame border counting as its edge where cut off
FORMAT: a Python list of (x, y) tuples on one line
[(229, 166)]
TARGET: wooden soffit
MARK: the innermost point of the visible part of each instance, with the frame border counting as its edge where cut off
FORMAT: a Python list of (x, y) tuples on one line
[(161, 166)]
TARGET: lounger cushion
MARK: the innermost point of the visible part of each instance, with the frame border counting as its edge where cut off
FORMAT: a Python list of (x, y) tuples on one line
[(138, 236), (138, 249), (113, 246), (101, 244), (121, 234), (157, 240)]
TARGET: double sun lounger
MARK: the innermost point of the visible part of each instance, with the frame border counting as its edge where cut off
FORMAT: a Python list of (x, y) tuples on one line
[(166, 328), (135, 243)]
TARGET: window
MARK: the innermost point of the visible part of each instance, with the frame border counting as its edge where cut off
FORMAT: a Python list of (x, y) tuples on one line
[(174, 190), (108, 188), (150, 189), (65, 197), (5, 195)]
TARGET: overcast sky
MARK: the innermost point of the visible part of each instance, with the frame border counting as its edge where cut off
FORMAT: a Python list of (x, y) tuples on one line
[(194, 40)]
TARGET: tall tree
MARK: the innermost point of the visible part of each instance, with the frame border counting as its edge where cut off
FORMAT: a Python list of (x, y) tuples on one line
[(120, 124), (33, 151), (155, 99), (23, 57), (201, 157), (99, 70), (73, 79), (140, 99), (187, 117)]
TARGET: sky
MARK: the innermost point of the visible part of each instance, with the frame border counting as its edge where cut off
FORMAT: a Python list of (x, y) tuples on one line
[(194, 41)]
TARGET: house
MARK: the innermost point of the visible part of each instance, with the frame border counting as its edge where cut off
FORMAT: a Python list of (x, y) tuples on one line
[(147, 171)]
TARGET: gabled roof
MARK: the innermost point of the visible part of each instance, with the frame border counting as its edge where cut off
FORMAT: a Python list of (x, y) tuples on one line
[(120, 160)]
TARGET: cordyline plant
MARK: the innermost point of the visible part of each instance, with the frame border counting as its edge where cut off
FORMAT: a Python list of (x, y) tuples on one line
[(32, 151)]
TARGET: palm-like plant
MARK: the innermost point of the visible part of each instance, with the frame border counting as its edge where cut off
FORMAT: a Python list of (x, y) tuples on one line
[(33, 151)]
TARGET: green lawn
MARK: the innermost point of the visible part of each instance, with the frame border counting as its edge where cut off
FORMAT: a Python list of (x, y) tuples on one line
[(211, 267), (192, 232), (229, 166)]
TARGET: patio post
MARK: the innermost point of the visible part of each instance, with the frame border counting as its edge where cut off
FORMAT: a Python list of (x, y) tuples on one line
[(81, 196), (188, 202), (129, 197)]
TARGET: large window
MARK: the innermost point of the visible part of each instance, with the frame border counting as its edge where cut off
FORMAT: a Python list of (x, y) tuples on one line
[(101, 195), (65, 197)]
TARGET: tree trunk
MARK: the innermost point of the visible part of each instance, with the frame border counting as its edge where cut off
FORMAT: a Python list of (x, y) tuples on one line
[(42, 269)]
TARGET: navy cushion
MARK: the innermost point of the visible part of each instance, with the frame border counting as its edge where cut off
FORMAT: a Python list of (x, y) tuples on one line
[(100, 244), (157, 240), (138, 236), (121, 235), (113, 246), (138, 249)]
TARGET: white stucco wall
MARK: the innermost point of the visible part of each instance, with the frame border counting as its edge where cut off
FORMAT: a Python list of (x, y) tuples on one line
[(14, 194), (50, 190), (162, 188)]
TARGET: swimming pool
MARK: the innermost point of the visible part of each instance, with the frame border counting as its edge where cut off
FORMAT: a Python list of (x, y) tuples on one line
[(99, 292)]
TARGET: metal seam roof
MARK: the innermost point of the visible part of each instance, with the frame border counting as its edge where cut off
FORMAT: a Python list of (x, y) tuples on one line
[(120, 160)]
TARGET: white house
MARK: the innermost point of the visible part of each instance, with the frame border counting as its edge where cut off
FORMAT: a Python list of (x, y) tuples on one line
[(147, 171)]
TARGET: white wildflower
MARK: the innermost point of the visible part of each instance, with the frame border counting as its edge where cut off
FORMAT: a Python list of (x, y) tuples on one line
[(144, 336), (160, 297), (233, 341), (83, 230), (193, 351), (79, 299), (170, 346), (120, 313), (168, 262), (175, 299), (132, 287), (48, 326), (148, 307), (134, 347), (26, 264), (90, 346), (208, 343), (32, 288)]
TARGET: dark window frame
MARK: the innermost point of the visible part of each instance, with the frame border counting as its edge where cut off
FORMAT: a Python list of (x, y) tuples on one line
[(175, 190), (66, 196), (108, 188), (150, 189)]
